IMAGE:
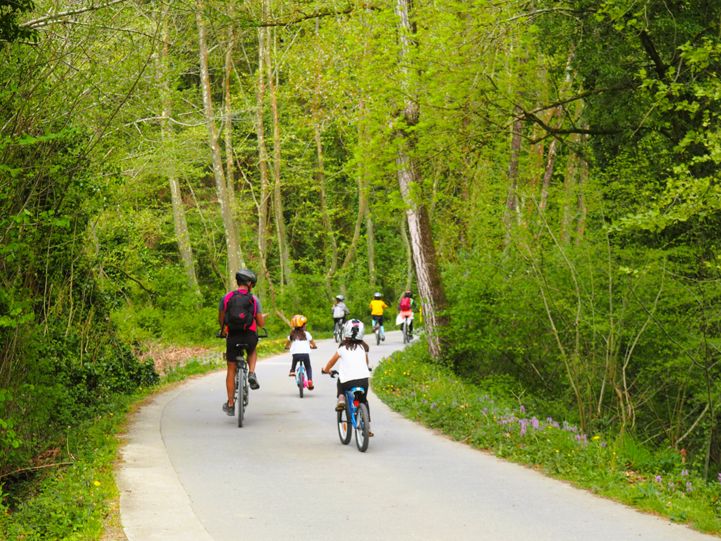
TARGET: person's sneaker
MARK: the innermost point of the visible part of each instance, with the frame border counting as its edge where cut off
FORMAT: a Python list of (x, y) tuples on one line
[(229, 410), (253, 381), (383, 338), (340, 406), (310, 385)]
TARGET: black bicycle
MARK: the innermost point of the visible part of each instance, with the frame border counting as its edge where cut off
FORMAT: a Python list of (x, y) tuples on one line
[(242, 388)]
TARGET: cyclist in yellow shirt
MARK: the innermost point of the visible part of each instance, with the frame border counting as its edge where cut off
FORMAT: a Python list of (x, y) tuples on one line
[(377, 305)]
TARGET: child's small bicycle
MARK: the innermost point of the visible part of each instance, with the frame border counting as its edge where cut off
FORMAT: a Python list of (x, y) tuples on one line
[(301, 380), (354, 417)]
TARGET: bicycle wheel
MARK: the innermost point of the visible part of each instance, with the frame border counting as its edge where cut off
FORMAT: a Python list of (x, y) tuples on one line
[(240, 399), (300, 380), (404, 326), (361, 427), (336, 333), (378, 337), (345, 430)]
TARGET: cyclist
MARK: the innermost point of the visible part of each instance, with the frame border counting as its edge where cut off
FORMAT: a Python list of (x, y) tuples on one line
[(377, 305), (351, 362), (405, 309), (240, 304), (300, 342), (340, 310)]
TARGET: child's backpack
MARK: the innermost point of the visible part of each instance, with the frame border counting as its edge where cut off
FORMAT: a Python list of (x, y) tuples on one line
[(240, 311), (405, 304)]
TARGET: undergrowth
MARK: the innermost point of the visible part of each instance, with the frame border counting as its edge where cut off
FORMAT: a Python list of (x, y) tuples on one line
[(70, 495), (488, 416)]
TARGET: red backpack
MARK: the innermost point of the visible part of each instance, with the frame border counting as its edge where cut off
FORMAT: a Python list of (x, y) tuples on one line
[(405, 304)]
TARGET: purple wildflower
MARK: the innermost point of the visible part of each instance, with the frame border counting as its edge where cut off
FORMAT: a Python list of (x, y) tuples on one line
[(523, 408), (434, 406), (524, 426), (689, 486), (684, 473), (535, 423), (659, 479), (719, 477)]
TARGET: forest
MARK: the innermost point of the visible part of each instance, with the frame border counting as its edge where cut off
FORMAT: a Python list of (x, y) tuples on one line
[(545, 175)]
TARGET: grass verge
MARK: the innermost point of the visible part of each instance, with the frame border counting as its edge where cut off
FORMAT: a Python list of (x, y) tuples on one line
[(489, 417), (74, 497)]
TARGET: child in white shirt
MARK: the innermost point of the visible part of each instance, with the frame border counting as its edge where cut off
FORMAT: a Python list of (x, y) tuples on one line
[(300, 342)]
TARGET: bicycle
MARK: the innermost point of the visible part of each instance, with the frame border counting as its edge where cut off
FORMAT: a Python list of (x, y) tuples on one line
[(301, 379), (338, 331), (242, 387), (378, 331), (242, 390), (354, 418), (406, 330)]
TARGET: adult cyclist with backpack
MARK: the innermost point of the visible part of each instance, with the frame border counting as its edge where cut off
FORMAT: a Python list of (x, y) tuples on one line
[(239, 316)]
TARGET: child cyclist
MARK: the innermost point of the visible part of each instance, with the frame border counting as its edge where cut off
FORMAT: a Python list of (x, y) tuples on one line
[(351, 362), (300, 342), (377, 305), (340, 310)]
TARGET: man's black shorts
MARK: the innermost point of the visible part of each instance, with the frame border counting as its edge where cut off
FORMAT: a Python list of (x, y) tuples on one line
[(237, 342)]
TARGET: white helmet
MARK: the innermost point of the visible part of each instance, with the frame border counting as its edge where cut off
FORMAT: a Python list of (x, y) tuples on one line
[(353, 329)]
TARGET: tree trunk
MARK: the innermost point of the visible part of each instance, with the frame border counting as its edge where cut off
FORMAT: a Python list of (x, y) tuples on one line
[(371, 246), (409, 254), (547, 175), (264, 199), (424, 254), (231, 237), (331, 247), (283, 250), (512, 199), (228, 132), (180, 223)]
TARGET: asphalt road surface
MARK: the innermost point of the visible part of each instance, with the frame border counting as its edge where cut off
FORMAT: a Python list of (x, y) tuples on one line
[(189, 473)]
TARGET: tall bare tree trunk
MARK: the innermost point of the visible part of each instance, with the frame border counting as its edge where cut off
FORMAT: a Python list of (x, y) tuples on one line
[(581, 203), (512, 207), (548, 174), (228, 132), (330, 244), (264, 199), (331, 247), (424, 253), (180, 223), (371, 246), (231, 236), (283, 249)]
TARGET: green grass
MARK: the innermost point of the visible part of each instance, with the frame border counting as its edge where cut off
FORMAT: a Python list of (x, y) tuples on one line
[(488, 416), (74, 498)]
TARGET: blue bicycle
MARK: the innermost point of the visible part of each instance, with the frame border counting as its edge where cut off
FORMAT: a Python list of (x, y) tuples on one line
[(301, 380), (354, 418)]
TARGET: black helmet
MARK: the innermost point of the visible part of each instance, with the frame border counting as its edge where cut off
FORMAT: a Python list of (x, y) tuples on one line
[(245, 276)]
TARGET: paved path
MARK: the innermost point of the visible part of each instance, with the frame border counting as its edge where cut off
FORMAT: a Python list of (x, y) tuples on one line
[(190, 474)]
